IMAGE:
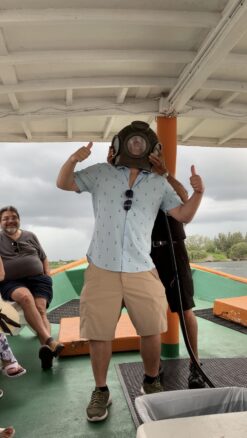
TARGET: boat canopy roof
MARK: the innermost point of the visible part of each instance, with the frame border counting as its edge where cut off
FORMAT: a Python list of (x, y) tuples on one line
[(81, 70)]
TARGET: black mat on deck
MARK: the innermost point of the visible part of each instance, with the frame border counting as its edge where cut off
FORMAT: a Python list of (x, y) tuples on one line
[(222, 372), (208, 314), (67, 310)]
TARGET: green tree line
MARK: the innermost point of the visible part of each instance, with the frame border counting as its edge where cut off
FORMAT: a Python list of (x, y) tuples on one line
[(231, 246)]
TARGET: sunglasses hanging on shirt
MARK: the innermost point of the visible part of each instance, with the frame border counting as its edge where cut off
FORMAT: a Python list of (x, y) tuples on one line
[(128, 203)]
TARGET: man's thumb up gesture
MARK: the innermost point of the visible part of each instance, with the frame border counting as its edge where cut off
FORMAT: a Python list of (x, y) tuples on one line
[(196, 181)]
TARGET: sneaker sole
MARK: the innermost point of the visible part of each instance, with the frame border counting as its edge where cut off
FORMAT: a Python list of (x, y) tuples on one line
[(46, 357), (95, 419)]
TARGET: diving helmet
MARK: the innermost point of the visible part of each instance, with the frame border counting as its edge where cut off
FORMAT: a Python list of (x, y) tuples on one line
[(133, 145)]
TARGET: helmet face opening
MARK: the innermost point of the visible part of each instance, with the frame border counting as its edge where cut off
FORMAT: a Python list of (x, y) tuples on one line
[(136, 145), (133, 145)]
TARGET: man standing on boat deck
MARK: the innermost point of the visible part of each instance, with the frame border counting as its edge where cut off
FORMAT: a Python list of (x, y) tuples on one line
[(27, 280), (126, 198)]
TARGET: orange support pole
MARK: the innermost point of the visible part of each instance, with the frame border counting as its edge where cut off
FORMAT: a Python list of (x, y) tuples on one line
[(167, 134)]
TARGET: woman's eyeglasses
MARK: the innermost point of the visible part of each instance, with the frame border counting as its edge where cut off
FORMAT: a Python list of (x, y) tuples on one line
[(128, 203)]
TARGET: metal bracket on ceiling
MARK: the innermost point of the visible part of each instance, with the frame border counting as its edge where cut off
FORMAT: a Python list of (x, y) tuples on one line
[(165, 108)]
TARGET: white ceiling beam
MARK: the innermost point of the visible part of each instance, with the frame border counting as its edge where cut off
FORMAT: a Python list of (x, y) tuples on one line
[(231, 135), (142, 92), (13, 100), (212, 142), (83, 107), (27, 131), (109, 107), (69, 129), (234, 86), (96, 55), (122, 95), (69, 97), (237, 109), (202, 94), (132, 16), (118, 82), (207, 110), (214, 49), (108, 127), (191, 131), (152, 123), (88, 82), (227, 99), (7, 73), (39, 137), (234, 59), (111, 55), (120, 99)]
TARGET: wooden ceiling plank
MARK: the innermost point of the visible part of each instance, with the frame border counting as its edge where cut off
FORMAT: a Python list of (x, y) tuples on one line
[(150, 17), (214, 49)]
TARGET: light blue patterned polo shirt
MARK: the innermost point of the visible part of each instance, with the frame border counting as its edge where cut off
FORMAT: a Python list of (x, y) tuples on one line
[(122, 239)]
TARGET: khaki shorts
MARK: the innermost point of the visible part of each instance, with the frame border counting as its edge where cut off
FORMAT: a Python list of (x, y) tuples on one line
[(104, 293)]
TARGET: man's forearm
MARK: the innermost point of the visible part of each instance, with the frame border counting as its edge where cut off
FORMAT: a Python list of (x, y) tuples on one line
[(178, 187), (185, 212), (65, 177)]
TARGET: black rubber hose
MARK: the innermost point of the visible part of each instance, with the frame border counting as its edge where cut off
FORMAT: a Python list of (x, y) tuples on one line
[(181, 313)]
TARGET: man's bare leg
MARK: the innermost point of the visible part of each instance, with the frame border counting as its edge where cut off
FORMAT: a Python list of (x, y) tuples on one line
[(150, 352), (195, 380), (41, 307), (192, 330), (25, 299), (100, 354)]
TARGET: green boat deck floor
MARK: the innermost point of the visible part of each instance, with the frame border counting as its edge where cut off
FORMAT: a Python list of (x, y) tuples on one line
[(52, 403)]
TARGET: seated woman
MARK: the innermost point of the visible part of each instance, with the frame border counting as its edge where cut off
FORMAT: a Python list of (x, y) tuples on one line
[(7, 432)]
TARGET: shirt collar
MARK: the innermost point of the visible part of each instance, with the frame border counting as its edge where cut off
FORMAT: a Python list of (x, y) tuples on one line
[(141, 170)]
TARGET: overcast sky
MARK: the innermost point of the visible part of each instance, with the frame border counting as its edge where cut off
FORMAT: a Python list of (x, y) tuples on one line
[(63, 221)]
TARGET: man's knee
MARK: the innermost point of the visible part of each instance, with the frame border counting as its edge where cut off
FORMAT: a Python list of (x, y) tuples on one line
[(23, 297), (189, 316)]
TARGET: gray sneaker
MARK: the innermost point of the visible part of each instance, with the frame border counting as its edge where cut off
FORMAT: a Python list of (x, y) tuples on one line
[(151, 388), (97, 408)]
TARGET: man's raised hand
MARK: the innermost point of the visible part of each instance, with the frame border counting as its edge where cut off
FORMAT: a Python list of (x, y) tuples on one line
[(196, 181), (82, 153), (158, 164)]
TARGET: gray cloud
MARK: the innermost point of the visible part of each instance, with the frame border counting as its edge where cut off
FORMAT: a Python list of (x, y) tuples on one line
[(64, 221), (224, 170)]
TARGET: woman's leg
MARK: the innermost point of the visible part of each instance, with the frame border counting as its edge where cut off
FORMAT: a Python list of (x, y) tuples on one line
[(6, 354)]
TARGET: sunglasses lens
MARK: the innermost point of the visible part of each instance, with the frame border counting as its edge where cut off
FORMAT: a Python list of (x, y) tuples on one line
[(14, 244), (127, 204), (129, 193)]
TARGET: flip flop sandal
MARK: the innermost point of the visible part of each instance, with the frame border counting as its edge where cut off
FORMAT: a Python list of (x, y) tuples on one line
[(7, 432), (46, 357), (17, 369)]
